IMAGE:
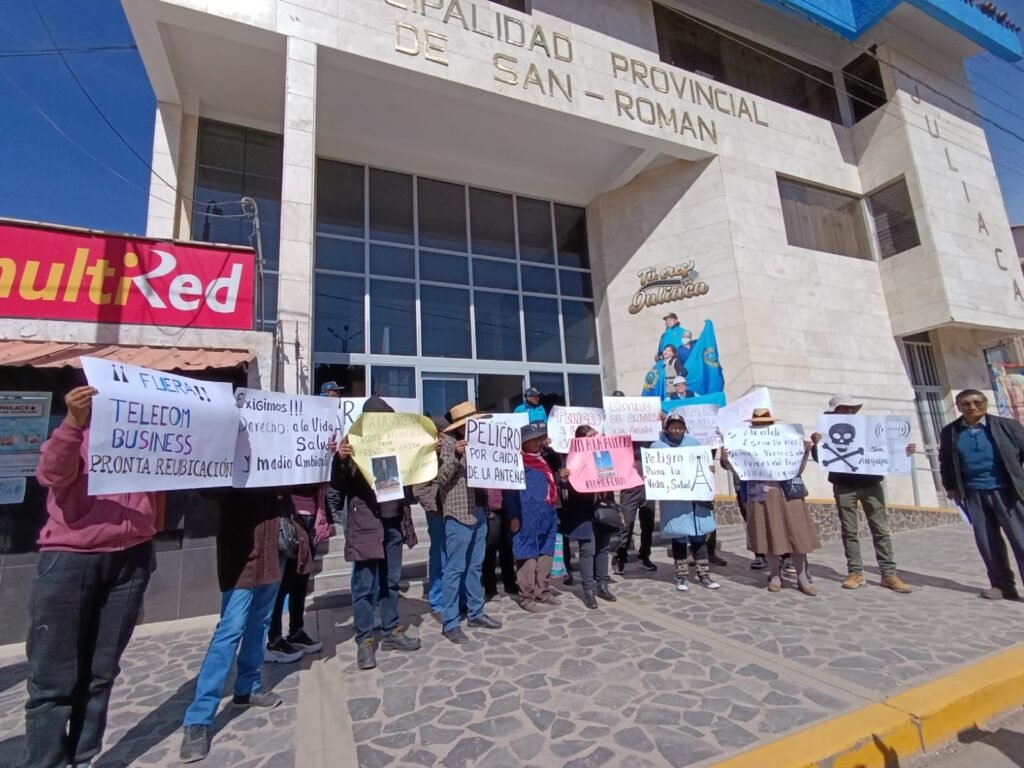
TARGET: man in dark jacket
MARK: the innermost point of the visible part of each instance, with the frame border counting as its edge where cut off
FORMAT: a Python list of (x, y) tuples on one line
[(374, 534), (980, 460)]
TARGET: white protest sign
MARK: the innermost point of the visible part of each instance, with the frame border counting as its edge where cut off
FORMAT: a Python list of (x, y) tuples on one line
[(866, 445), (766, 453), (154, 431), (678, 474), (736, 413), (702, 423), (564, 420), (283, 439), (638, 417), (494, 453), (349, 409)]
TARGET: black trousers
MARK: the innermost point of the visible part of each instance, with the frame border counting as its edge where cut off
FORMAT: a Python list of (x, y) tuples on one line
[(499, 553), (83, 610), (634, 504), (294, 586)]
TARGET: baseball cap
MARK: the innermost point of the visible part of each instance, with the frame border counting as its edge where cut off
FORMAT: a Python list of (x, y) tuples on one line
[(848, 401), (673, 315), (676, 414), (679, 380), (533, 430), (618, 393), (330, 386), (532, 392)]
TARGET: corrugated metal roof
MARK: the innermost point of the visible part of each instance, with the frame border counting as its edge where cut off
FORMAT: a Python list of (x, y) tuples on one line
[(56, 354)]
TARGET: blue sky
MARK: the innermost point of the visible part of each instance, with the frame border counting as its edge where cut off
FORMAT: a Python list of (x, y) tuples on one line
[(45, 177)]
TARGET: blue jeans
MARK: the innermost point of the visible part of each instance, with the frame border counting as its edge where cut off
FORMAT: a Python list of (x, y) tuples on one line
[(436, 562), (465, 547), (245, 618), (375, 585)]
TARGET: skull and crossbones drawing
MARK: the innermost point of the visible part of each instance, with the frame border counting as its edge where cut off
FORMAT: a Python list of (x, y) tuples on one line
[(841, 437)]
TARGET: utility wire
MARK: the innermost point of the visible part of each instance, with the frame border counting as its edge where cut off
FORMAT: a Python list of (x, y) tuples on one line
[(13, 53)]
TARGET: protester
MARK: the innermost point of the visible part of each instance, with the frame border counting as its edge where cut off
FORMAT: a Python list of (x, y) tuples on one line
[(331, 389), (531, 406), (778, 522), (533, 522), (465, 531), (499, 550), (980, 459), (248, 571), (426, 495), (635, 505), (849, 488), (95, 560), (334, 509), (687, 523), (760, 562), (374, 534), (576, 520)]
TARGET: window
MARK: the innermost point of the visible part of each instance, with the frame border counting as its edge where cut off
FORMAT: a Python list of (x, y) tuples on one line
[(823, 220), (585, 390), (516, 5), (697, 46), (551, 386), (497, 326), (864, 86), (392, 318), (445, 324), (893, 214), (339, 314), (393, 381)]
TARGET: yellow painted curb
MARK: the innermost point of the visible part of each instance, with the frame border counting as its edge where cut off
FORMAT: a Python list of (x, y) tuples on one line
[(879, 734)]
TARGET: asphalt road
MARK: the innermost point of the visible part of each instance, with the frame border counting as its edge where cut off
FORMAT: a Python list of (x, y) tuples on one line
[(999, 744)]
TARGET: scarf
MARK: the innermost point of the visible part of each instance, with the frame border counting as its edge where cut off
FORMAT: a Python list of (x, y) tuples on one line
[(534, 461)]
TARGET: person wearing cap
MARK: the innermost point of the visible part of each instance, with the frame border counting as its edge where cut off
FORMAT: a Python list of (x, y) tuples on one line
[(374, 534), (534, 522), (679, 390), (465, 532), (849, 488), (673, 335), (531, 406), (777, 525), (687, 523)]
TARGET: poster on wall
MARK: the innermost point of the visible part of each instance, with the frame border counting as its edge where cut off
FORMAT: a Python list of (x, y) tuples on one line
[(865, 445), (679, 474), (766, 453), (12, 490), (563, 421), (494, 452), (684, 367), (1008, 385), (24, 427), (598, 464)]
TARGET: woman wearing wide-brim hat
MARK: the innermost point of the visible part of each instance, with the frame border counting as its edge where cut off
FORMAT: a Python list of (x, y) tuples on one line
[(777, 525)]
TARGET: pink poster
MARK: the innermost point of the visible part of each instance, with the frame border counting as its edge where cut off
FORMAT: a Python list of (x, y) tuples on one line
[(598, 464)]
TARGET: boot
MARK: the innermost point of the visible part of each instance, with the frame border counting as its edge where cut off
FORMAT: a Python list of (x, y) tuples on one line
[(366, 658), (606, 594), (589, 598)]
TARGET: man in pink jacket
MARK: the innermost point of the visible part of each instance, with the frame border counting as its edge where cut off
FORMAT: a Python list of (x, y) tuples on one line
[(95, 560)]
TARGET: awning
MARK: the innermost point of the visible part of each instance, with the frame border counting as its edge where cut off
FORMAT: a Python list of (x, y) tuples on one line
[(55, 354)]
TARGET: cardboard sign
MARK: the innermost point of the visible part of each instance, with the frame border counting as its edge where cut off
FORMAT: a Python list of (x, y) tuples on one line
[(24, 425), (678, 474), (156, 431), (563, 422), (738, 411), (774, 452), (866, 445), (350, 408), (283, 439), (494, 453), (602, 464), (702, 423), (638, 417), (409, 436)]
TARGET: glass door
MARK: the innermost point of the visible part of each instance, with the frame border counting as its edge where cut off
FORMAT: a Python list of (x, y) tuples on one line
[(443, 390)]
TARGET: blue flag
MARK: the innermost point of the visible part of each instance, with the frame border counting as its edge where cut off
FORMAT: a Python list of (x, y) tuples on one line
[(714, 398), (654, 382), (703, 369)]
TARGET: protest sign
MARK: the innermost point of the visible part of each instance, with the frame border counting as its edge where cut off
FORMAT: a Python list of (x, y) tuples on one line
[(638, 417), (714, 398), (563, 422), (349, 409), (602, 464), (24, 424), (154, 431), (494, 453), (867, 445), (12, 490), (766, 453), (283, 439), (678, 474), (408, 436), (702, 423), (738, 411)]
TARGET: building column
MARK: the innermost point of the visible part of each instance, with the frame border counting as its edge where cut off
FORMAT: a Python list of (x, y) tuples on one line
[(295, 299), (163, 216)]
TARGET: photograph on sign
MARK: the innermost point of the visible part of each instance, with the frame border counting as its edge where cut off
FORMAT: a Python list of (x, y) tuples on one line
[(563, 421), (387, 478), (409, 436), (638, 417), (766, 453), (157, 431), (680, 474), (602, 464), (24, 427), (494, 457), (736, 413)]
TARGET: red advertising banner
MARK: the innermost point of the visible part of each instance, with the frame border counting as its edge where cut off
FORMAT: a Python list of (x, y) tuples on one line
[(60, 274)]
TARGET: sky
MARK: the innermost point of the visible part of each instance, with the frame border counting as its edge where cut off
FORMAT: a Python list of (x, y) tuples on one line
[(88, 177)]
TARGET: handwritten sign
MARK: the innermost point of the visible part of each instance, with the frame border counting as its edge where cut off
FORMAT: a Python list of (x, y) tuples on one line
[(563, 422), (766, 453), (283, 439), (154, 431), (678, 474), (602, 464), (349, 409), (494, 453), (702, 423), (638, 417), (865, 445), (408, 436), (738, 411)]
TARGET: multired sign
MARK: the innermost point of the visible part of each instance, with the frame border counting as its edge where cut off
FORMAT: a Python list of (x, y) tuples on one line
[(66, 275)]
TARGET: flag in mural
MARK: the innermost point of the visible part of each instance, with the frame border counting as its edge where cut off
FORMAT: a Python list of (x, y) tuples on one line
[(684, 368), (704, 370)]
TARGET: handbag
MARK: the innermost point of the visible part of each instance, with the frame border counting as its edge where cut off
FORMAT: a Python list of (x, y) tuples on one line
[(608, 513), (287, 538), (794, 488)]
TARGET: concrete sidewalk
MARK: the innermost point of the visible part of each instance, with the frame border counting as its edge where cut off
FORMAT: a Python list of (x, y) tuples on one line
[(659, 678)]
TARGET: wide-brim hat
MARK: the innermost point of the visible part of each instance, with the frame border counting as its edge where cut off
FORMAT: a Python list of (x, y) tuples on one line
[(460, 414), (533, 430), (761, 416), (841, 401)]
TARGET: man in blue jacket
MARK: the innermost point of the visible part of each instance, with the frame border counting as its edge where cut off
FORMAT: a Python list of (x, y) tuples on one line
[(532, 407)]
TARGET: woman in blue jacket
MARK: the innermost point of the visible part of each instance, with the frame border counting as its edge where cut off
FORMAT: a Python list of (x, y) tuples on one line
[(687, 523)]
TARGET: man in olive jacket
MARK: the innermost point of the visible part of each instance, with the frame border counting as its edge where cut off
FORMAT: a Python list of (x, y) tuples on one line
[(980, 460)]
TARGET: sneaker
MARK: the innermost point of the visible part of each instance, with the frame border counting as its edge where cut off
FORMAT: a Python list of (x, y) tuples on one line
[(620, 565), (788, 567), (758, 564), (853, 581), (303, 642), (195, 743), (647, 564), (260, 697), (366, 656), (681, 585), (280, 652), (896, 584), (483, 621), (706, 581), (399, 641), (606, 594), (456, 635)]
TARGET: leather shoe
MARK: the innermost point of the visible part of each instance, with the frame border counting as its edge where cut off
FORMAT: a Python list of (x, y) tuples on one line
[(548, 600), (366, 657), (606, 594), (456, 635), (589, 598), (528, 605), (483, 621)]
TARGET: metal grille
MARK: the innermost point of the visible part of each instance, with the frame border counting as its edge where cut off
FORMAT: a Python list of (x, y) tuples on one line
[(930, 400), (921, 364)]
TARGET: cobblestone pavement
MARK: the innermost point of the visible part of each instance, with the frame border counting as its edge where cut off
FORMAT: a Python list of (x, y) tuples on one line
[(659, 678)]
